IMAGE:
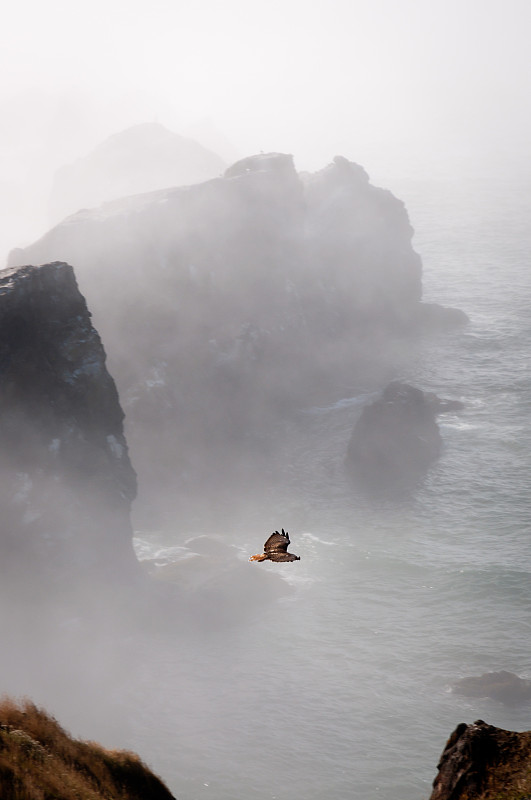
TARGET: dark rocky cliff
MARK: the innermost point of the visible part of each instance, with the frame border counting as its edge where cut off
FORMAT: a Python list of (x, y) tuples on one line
[(227, 305), (66, 480), (482, 762)]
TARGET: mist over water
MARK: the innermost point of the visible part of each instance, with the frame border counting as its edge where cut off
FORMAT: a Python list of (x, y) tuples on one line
[(341, 686)]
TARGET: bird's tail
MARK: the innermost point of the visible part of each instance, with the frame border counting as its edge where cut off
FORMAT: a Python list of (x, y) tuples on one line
[(260, 557)]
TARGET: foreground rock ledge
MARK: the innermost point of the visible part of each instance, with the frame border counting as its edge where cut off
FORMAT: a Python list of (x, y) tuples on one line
[(482, 762)]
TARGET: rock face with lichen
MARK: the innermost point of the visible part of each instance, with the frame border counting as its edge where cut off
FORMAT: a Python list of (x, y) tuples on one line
[(225, 306), (482, 762), (66, 480)]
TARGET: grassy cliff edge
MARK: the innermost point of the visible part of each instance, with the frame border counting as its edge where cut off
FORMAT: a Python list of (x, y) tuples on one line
[(40, 761)]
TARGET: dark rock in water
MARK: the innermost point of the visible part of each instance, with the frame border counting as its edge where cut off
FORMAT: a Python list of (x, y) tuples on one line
[(66, 480), (481, 762), (504, 686), (224, 305), (396, 438), (432, 316)]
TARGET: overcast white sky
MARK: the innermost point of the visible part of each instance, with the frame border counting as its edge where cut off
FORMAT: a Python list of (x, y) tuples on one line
[(310, 77), (374, 80)]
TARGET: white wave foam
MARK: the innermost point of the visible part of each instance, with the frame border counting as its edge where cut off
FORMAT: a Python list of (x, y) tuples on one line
[(458, 425), (344, 403), (147, 550)]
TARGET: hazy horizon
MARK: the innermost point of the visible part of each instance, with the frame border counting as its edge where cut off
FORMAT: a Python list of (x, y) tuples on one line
[(396, 86)]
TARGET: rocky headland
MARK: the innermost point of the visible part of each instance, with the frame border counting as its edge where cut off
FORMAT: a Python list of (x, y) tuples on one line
[(226, 306), (222, 306)]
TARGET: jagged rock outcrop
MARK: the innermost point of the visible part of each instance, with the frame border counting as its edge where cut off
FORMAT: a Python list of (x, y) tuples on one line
[(39, 759), (225, 305), (143, 158), (360, 243), (482, 762), (396, 437), (66, 482)]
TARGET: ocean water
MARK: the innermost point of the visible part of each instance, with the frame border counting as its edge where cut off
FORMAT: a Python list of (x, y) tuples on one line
[(340, 689)]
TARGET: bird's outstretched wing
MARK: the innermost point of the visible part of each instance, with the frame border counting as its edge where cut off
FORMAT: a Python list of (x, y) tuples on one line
[(277, 543)]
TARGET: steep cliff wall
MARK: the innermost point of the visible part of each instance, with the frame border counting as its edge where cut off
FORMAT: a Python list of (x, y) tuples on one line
[(227, 305), (66, 482)]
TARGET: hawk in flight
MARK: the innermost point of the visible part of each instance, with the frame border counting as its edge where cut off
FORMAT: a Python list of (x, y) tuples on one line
[(276, 549)]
